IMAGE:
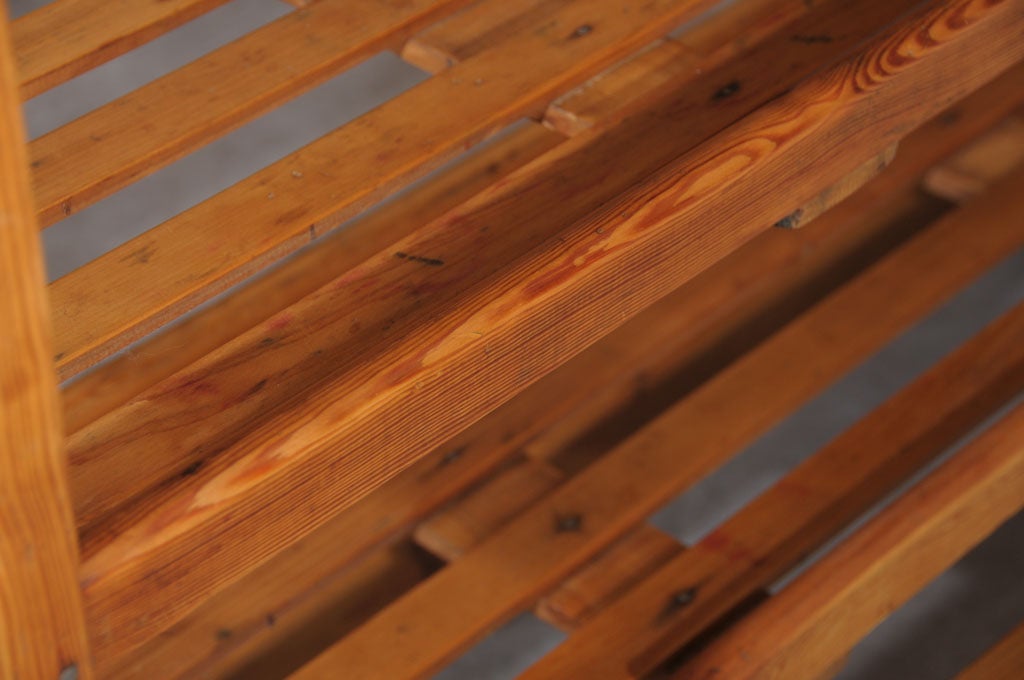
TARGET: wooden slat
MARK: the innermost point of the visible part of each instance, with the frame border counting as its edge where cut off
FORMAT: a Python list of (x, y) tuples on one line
[(625, 485), (116, 382), (145, 130), (186, 260), (501, 336), (723, 34), (973, 169), (477, 28), (42, 625), (808, 626), (1003, 662), (801, 512), (177, 426), (65, 38), (254, 630), (464, 524), (589, 591)]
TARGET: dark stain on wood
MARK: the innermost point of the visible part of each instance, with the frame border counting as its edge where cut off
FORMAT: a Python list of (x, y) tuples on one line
[(581, 31), (569, 523), (726, 91), (812, 39), (792, 220), (430, 261)]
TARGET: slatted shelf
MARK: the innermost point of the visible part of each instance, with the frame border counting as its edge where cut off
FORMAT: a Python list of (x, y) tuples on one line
[(438, 368)]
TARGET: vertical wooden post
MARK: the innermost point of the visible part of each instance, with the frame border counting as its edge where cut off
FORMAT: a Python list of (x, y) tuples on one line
[(42, 628)]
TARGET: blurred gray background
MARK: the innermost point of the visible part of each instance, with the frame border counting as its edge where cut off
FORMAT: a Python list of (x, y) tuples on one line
[(935, 635)]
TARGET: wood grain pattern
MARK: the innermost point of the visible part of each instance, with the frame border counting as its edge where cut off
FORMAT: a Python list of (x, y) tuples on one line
[(136, 135), (42, 625), (773, 267), (1002, 662), (119, 380), (65, 38), (816, 620), (623, 487), (800, 513), (176, 426), (332, 452), (199, 253)]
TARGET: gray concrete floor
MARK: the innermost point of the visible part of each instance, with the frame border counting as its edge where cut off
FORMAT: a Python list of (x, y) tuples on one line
[(934, 635)]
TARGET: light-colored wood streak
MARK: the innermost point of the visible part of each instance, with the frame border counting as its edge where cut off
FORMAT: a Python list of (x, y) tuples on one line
[(42, 625), (800, 513), (528, 557), (136, 135), (65, 38), (199, 253), (816, 620), (186, 422), (1002, 662), (119, 380), (337, 443)]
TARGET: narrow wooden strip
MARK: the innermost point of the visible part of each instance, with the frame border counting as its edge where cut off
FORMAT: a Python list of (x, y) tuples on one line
[(254, 631), (838, 192), (817, 619), (42, 625), (473, 30), (624, 486), (1003, 662), (145, 130), (597, 585), (722, 35), (464, 524), (974, 169), (65, 38), (186, 260), (535, 313), (116, 382), (802, 511)]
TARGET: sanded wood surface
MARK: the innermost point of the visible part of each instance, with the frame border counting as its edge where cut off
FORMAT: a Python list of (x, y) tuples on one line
[(65, 38), (819, 617), (133, 136), (42, 626), (624, 486), (334, 452), (1003, 662), (197, 254)]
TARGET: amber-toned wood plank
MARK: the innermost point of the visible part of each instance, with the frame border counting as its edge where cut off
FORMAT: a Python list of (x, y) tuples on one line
[(1003, 662), (625, 485), (464, 524), (157, 358), (838, 192), (65, 38), (815, 621), (253, 630), (672, 63), (801, 512), (336, 444), (587, 592), (145, 130), (188, 259), (973, 169), (42, 625), (184, 423), (475, 29)]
